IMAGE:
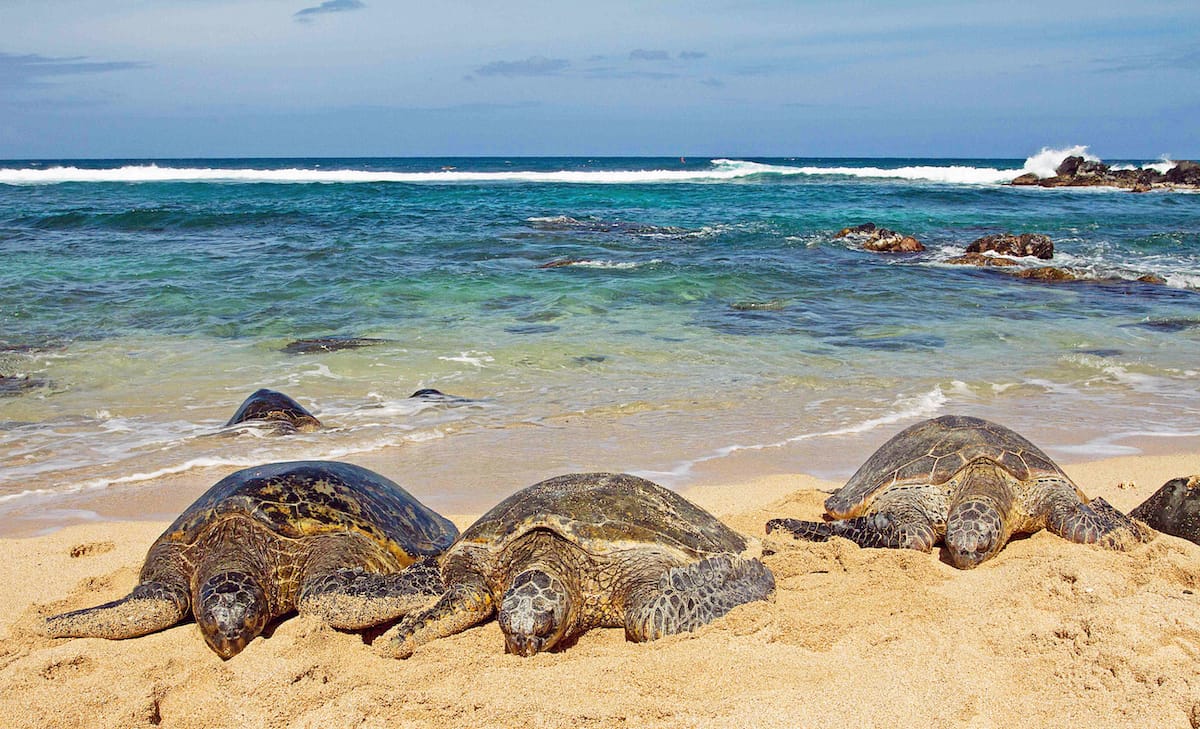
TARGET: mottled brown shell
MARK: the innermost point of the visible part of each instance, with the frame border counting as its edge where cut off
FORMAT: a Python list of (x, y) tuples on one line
[(604, 513), (299, 499), (931, 452)]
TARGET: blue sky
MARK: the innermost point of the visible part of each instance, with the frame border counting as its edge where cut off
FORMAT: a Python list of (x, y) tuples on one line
[(131, 78)]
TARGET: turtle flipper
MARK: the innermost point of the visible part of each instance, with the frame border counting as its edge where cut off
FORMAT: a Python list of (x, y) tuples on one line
[(463, 606), (696, 594), (1096, 522), (881, 529), (150, 607), (352, 598)]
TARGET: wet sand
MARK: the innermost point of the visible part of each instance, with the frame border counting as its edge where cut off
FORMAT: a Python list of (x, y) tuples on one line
[(1047, 633)]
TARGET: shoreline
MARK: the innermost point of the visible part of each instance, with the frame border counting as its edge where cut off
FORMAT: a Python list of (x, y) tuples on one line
[(870, 636), (470, 476)]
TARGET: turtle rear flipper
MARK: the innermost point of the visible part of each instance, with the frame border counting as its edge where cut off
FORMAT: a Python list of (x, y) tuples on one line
[(150, 607), (882, 529), (1096, 522), (463, 606), (352, 599), (696, 594)]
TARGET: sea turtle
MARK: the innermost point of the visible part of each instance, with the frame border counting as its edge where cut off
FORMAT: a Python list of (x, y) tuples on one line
[(276, 409), (326, 538), (966, 481), (587, 550), (1174, 509)]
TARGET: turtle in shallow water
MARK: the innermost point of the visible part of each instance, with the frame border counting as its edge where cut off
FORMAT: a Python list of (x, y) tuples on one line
[(325, 538), (283, 413), (587, 550), (968, 482)]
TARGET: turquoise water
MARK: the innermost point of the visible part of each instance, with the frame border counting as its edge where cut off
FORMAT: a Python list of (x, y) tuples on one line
[(696, 311)]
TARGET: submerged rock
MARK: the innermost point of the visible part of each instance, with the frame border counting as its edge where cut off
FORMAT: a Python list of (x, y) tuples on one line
[(329, 344), (1046, 273), (1025, 244), (13, 385), (276, 409), (978, 259)]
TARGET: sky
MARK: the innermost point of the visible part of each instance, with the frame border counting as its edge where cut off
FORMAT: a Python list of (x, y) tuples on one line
[(230, 78)]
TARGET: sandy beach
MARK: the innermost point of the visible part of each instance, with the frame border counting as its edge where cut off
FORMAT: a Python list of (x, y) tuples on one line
[(1047, 633)]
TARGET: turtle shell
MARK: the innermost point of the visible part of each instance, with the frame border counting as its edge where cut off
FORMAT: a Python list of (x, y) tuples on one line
[(604, 513), (300, 499), (931, 452)]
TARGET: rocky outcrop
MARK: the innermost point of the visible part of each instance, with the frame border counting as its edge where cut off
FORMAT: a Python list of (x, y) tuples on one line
[(1025, 244), (881, 240), (978, 259), (1076, 171)]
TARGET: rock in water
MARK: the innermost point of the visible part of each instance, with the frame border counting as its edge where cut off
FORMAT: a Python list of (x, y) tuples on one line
[(1025, 244)]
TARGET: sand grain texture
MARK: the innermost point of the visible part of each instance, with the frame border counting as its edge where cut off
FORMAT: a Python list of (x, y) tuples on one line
[(1046, 634)]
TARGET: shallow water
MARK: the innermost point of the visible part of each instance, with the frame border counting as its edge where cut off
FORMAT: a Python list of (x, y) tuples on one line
[(640, 315)]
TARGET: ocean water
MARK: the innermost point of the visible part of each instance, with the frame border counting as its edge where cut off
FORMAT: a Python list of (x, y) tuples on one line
[(698, 316)]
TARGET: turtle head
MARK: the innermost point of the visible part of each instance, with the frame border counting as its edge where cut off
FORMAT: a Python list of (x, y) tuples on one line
[(231, 609), (974, 533), (533, 613)]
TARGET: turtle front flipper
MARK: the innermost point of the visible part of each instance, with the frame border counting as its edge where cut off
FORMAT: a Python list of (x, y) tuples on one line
[(885, 529), (1096, 522), (352, 598), (695, 594), (150, 607), (463, 606)]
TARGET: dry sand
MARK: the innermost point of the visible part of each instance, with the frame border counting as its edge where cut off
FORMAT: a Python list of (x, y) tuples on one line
[(1046, 634)]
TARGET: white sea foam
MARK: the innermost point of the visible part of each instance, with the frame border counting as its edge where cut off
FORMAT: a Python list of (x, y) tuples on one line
[(101, 483), (1045, 163), (720, 170), (905, 408)]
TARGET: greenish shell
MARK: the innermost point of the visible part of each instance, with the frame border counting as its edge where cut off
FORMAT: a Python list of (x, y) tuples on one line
[(299, 499), (931, 452), (603, 513)]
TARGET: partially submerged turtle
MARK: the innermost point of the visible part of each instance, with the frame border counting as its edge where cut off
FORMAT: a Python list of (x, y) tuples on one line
[(283, 413), (968, 482), (1174, 509), (326, 538), (587, 550)]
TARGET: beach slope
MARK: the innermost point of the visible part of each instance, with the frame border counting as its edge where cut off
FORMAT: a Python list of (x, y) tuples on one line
[(1047, 633)]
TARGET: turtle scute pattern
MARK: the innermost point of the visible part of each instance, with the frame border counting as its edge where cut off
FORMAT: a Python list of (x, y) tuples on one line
[(582, 551), (275, 409), (968, 483), (327, 538)]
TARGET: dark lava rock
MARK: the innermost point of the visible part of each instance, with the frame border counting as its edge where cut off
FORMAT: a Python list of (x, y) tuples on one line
[(1184, 173), (864, 229), (1046, 273), (1025, 244), (1075, 171), (329, 344), (282, 412), (978, 259), (881, 240), (1174, 509)]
